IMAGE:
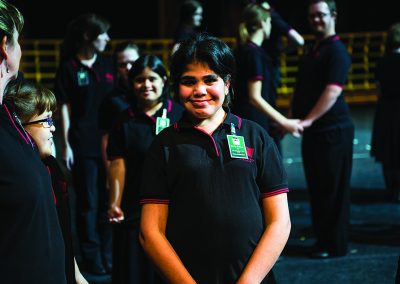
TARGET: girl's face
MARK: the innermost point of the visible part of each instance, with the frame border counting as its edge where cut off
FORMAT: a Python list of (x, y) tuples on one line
[(101, 41), (148, 86), (202, 92), (42, 133)]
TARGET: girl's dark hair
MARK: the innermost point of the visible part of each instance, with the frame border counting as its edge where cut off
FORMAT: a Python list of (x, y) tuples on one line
[(156, 65), (203, 48), (85, 28)]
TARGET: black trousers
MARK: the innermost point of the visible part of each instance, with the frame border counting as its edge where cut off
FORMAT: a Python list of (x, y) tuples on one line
[(130, 263), (94, 231), (327, 159)]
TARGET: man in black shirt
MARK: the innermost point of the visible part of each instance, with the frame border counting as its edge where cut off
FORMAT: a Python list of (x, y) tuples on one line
[(327, 144)]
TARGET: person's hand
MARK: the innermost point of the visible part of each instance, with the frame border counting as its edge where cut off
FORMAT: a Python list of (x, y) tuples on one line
[(306, 123), (115, 214), (79, 279), (294, 127), (68, 157), (266, 5)]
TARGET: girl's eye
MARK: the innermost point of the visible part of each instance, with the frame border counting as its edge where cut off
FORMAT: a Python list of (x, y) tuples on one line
[(187, 82), (210, 80), (139, 80)]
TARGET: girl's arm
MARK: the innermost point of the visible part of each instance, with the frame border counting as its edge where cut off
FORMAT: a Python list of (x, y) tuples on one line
[(291, 125), (158, 248), (116, 176), (272, 242)]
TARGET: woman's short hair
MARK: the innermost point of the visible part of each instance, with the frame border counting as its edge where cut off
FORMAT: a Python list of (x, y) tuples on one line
[(203, 48), (30, 99)]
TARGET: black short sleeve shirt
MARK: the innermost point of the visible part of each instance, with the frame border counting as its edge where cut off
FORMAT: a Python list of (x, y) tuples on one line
[(253, 65), (130, 139), (84, 89), (31, 244), (326, 64), (215, 217)]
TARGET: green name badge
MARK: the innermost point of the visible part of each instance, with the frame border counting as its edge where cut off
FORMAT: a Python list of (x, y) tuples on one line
[(83, 78), (161, 124), (237, 148)]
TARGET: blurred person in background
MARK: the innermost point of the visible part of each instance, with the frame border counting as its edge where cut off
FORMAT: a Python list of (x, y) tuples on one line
[(83, 80)]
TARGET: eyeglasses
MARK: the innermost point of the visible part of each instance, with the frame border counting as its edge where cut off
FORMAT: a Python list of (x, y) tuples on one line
[(318, 15), (46, 123)]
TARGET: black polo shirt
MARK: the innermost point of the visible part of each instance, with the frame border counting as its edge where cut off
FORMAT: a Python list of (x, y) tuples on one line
[(328, 63), (31, 244), (215, 218), (253, 65), (130, 139), (114, 105), (85, 97)]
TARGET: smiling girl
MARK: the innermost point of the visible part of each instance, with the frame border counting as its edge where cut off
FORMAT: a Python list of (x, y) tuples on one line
[(150, 109), (214, 201)]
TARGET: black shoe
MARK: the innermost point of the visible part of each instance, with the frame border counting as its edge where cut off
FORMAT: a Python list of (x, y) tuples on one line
[(320, 254)]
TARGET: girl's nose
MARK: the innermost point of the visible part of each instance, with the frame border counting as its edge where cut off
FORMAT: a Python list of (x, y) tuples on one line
[(200, 89)]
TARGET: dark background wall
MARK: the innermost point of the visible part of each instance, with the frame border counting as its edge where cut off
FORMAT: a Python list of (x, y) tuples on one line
[(220, 16)]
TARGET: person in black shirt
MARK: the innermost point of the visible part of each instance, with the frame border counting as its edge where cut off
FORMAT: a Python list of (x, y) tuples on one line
[(263, 64), (327, 144), (128, 144), (31, 243), (125, 54), (190, 19), (35, 105), (83, 80), (255, 99), (214, 187), (385, 146)]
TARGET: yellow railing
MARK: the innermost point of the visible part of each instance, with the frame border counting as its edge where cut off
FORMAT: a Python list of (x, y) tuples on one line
[(42, 56)]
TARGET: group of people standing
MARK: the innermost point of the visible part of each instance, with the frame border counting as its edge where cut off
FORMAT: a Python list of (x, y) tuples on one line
[(173, 185)]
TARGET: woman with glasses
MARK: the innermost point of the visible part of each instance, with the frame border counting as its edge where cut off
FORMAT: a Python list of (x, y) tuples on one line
[(35, 105), (31, 243)]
